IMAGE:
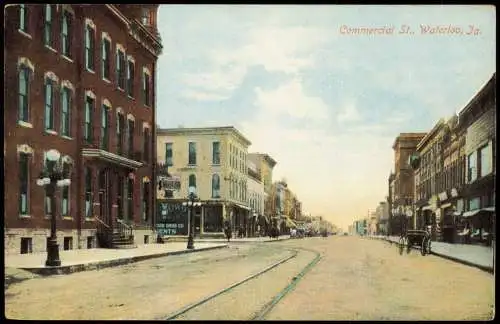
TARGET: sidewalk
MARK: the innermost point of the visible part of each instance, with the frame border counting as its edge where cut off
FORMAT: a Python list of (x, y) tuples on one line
[(473, 255), (245, 239), (83, 259)]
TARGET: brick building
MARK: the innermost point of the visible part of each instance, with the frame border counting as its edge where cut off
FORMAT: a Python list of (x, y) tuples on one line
[(79, 79), (452, 177), (479, 190), (402, 200), (427, 180)]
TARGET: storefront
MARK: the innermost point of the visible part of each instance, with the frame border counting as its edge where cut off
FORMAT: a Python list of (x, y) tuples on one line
[(172, 218)]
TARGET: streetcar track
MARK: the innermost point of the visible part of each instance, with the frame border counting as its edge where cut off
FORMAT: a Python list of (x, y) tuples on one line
[(275, 299)]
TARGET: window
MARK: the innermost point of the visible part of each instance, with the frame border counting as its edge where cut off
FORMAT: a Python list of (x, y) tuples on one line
[(68, 243), (192, 181), (169, 154), (216, 153), (130, 78), (120, 69), (474, 203), (87, 131), (146, 89), (145, 202), (130, 199), (88, 192), (472, 167), (48, 201), (65, 199), (146, 144), (26, 245), (105, 127), (146, 18), (89, 47), (485, 159), (120, 132), (66, 112), (48, 39), (23, 18), (24, 176), (49, 104), (215, 186), (24, 90), (66, 34), (130, 137), (106, 50), (192, 153)]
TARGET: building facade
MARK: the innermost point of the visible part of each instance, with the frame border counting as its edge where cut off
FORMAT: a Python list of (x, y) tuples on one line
[(79, 79), (265, 164), (479, 191), (452, 178), (402, 201), (382, 212), (256, 200), (427, 180), (214, 161)]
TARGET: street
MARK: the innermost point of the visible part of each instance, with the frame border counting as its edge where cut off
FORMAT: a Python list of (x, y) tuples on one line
[(356, 279)]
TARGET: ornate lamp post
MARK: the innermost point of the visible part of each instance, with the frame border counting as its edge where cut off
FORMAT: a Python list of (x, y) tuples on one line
[(54, 174), (191, 203)]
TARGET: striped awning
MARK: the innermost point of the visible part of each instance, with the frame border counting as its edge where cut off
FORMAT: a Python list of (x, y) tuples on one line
[(471, 213)]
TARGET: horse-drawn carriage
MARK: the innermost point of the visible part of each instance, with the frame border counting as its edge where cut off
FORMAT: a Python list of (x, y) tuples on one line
[(410, 238)]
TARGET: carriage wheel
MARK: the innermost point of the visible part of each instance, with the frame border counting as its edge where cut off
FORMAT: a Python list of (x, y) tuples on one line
[(409, 243), (401, 245), (423, 249), (429, 246)]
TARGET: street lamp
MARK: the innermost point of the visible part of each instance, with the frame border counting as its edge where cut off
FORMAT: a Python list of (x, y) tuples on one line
[(54, 174), (192, 202)]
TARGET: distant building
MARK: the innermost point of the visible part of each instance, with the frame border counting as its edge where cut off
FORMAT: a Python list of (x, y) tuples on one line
[(402, 201), (256, 199), (214, 161)]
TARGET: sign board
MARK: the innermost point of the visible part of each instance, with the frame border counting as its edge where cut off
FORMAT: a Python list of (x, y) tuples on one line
[(171, 183), (172, 218)]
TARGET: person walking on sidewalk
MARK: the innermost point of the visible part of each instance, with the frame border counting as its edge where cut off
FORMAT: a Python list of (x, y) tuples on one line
[(227, 230)]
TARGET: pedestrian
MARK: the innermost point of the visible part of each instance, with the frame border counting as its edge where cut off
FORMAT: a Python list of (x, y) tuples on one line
[(227, 230)]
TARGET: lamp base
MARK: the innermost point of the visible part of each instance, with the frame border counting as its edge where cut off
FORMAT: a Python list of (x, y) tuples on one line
[(52, 254), (190, 244)]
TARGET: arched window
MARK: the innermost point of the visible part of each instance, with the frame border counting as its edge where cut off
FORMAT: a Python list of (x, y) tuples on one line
[(215, 186)]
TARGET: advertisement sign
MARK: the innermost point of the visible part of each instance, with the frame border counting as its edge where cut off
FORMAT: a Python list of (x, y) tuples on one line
[(172, 218)]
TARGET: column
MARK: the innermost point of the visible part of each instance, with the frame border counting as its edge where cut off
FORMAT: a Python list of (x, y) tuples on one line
[(188, 220), (112, 196), (202, 221)]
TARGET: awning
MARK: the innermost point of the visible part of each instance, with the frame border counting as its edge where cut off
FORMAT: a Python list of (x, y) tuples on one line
[(446, 205), (426, 208), (471, 213), (457, 213), (243, 207), (489, 209)]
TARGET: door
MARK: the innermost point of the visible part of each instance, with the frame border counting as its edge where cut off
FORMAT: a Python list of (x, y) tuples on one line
[(104, 197)]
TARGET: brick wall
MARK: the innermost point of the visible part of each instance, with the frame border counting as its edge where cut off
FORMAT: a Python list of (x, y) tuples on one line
[(480, 131)]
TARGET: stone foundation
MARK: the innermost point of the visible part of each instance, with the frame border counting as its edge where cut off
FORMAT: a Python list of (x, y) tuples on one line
[(12, 239), (140, 234)]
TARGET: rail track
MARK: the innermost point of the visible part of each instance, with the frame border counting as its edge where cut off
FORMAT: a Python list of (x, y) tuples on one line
[(259, 312)]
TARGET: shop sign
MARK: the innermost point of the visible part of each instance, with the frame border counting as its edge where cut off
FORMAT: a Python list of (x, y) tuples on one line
[(443, 196)]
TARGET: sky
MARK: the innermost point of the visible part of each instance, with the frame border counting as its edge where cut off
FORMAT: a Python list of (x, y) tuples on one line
[(325, 104)]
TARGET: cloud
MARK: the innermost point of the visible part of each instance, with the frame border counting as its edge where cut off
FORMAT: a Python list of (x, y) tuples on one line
[(277, 49), (290, 99), (202, 96), (349, 113)]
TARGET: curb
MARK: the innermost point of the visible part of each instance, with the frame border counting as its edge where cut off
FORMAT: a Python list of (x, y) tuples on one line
[(464, 262), (48, 271)]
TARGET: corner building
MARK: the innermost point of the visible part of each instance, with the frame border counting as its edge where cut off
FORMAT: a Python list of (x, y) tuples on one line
[(80, 79)]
